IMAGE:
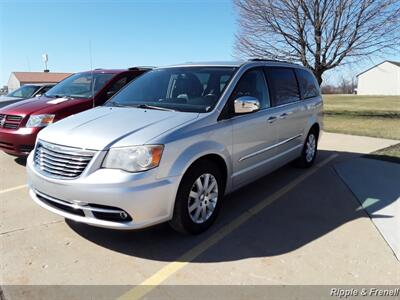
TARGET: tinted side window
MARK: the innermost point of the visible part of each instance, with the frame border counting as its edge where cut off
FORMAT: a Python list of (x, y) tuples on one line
[(253, 84), (283, 85), (223, 80), (116, 86), (46, 88), (307, 83)]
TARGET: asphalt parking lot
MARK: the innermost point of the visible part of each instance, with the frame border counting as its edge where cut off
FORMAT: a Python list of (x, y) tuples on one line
[(291, 227)]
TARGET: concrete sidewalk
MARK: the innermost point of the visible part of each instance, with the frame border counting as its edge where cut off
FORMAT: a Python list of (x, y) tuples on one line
[(376, 184), (353, 143)]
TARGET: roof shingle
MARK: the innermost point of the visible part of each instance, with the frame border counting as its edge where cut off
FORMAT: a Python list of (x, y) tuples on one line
[(40, 77)]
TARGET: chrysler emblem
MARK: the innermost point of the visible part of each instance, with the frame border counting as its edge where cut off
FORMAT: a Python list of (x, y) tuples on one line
[(77, 204)]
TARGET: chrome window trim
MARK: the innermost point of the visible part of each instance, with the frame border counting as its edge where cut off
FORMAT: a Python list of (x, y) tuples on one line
[(287, 104), (265, 109), (269, 148), (273, 107)]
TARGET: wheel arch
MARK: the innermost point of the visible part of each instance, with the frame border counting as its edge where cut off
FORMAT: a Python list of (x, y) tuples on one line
[(315, 127), (214, 158)]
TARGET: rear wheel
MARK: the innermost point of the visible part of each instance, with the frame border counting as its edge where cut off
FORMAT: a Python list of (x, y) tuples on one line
[(309, 152), (198, 198)]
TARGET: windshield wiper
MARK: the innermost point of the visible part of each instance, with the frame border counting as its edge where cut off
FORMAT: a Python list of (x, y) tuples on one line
[(145, 106), (117, 105), (55, 96)]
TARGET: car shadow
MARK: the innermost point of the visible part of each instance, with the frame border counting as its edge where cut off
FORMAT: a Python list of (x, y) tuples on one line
[(318, 205), (20, 160)]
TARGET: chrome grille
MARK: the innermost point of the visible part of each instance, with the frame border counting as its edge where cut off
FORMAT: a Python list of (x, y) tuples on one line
[(60, 161), (10, 125), (10, 121), (14, 118)]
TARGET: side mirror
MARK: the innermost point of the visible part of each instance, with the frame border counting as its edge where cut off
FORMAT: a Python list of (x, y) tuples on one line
[(246, 104), (38, 95)]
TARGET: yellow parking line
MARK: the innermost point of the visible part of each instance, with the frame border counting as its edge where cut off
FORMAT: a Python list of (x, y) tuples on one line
[(164, 273), (13, 189)]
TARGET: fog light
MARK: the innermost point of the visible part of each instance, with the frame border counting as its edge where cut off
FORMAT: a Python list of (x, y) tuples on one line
[(123, 215)]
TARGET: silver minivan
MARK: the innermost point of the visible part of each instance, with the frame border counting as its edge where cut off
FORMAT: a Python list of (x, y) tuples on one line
[(174, 141)]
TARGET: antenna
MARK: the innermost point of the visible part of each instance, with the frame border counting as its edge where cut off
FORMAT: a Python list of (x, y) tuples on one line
[(91, 70), (29, 63)]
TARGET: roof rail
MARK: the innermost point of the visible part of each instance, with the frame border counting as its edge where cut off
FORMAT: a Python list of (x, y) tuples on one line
[(271, 60), (141, 68)]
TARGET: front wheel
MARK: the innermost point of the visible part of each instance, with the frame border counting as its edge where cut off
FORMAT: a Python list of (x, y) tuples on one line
[(198, 198)]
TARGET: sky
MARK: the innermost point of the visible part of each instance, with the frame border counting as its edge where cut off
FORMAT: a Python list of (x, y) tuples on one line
[(120, 34)]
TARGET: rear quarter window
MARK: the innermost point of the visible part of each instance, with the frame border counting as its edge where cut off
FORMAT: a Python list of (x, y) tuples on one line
[(283, 85), (307, 83)]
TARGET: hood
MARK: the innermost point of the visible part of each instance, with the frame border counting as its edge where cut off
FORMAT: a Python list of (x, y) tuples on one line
[(41, 105), (103, 127), (6, 98)]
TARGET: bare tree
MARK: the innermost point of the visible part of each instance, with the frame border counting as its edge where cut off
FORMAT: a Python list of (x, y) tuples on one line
[(346, 86), (321, 34)]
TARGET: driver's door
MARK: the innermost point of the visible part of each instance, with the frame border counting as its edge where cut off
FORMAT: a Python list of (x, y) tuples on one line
[(254, 134)]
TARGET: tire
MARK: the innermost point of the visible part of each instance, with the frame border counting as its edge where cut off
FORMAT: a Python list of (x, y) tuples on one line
[(191, 201), (309, 152)]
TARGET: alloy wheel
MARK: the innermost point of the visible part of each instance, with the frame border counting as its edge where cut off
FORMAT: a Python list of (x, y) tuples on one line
[(203, 198), (311, 147)]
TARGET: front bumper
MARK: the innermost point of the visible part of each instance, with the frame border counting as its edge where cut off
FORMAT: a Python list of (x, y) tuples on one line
[(146, 199), (18, 142)]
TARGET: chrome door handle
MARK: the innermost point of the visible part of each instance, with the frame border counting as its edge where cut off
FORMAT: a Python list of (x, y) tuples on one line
[(272, 119), (283, 116)]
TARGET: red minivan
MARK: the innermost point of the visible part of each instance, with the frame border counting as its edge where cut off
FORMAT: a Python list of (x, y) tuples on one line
[(21, 122)]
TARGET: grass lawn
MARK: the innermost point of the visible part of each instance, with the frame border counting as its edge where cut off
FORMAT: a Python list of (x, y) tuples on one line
[(366, 106), (376, 116), (388, 128)]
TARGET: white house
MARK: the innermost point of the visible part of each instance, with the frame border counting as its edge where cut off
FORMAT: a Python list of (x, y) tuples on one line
[(381, 79), (18, 79)]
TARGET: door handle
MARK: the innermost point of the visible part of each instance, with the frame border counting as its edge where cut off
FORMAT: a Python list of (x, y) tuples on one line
[(283, 116), (272, 119), (313, 106)]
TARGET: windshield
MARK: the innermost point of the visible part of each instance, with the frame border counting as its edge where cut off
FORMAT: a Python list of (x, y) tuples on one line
[(25, 91), (190, 89), (79, 85)]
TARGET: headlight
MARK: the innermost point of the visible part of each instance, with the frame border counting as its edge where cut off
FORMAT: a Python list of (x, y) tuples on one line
[(40, 120), (134, 159)]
